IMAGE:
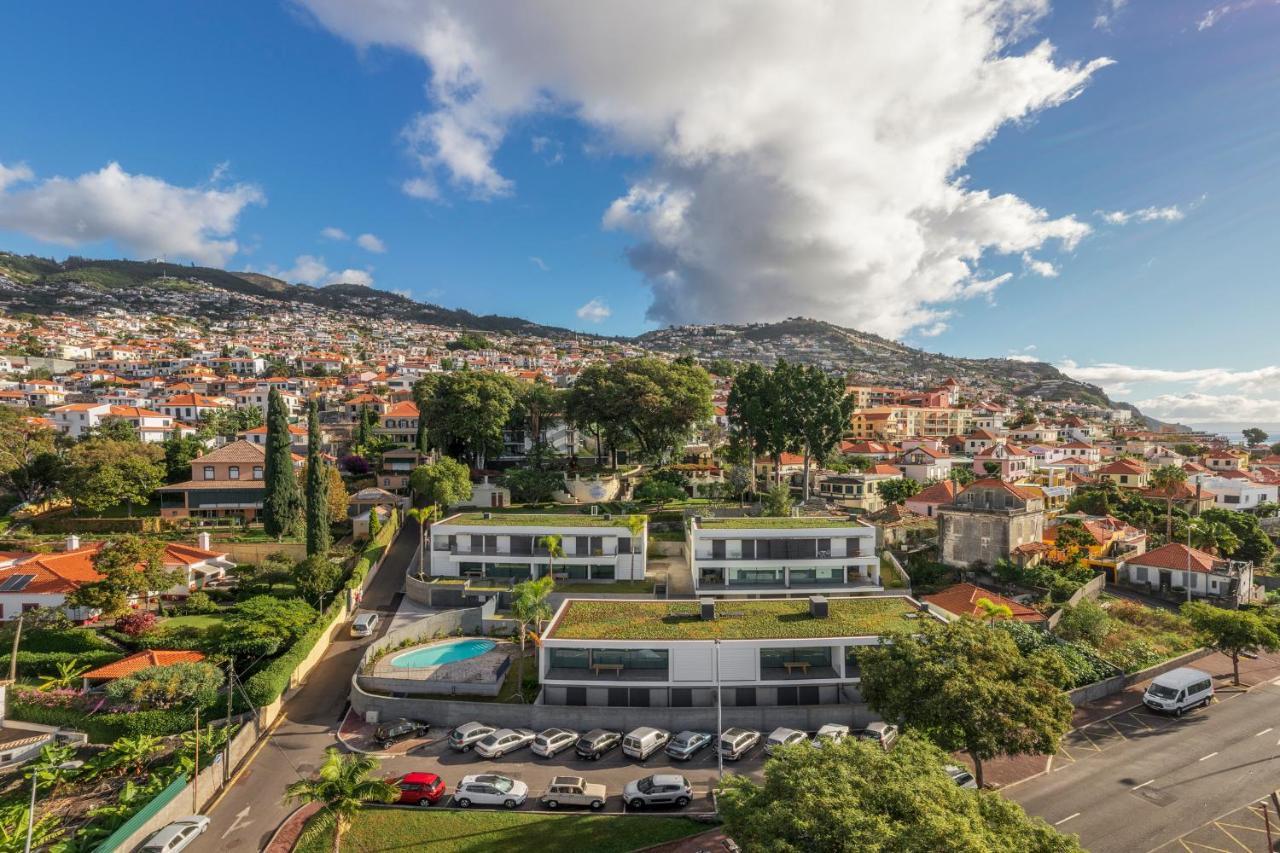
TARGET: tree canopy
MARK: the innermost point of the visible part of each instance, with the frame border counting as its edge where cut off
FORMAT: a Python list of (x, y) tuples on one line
[(29, 464), (1232, 632), (102, 473), (444, 482), (282, 498), (172, 686), (467, 413)]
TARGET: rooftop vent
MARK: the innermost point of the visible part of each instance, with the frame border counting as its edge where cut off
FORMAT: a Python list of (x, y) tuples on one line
[(818, 606), (608, 516), (708, 609), (486, 516)]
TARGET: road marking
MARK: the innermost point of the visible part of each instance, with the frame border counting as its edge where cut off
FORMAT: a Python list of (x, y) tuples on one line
[(1223, 830), (1143, 785), (1207, 757), (1264, 731), (1067, 818), (239, 821)]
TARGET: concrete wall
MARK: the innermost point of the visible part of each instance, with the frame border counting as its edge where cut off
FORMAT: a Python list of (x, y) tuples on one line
[(1108, 686), (666, 549), (1090, 590), (255, 552)]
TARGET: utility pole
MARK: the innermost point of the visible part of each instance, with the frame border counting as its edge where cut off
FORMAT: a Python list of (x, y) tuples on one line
[(226, 750), (1188, 578), (13, 658), (719, 717)]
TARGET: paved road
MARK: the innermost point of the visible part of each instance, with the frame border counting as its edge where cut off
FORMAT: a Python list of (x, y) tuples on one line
[(1140, 781), (250, 811)]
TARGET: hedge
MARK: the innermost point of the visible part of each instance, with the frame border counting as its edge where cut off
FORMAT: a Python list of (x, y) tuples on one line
[(46, 663), (266, 685), (108, 726), (72, 524), (68, 640)]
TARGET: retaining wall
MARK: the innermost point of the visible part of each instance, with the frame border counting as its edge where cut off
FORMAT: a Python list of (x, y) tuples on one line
[(256, 552), (1108, 686), (1091, 591), (665, 549)]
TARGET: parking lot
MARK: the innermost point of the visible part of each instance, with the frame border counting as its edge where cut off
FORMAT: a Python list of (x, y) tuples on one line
[(614, 770)]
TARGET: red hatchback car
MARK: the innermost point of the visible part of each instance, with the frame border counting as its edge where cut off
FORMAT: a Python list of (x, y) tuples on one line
[(420, 789)]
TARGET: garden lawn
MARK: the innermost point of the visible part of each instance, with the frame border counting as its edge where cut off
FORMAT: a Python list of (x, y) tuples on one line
[(457, 831), (199, 621)]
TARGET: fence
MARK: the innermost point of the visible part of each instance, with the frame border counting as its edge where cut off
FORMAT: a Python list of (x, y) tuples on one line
[(143, 819), (1091, 590)]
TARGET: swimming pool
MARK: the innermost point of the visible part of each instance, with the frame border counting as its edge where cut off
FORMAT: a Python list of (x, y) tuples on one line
[(450, 652)]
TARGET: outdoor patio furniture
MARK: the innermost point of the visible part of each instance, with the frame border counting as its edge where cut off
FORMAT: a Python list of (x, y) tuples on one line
[(615, 668), (793, 665)]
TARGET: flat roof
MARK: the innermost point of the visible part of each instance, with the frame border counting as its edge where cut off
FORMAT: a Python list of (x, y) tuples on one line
[(545, 519), (753, 619), (778, 522)]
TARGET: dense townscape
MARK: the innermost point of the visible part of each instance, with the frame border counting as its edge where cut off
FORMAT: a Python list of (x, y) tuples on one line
[(605, 551)]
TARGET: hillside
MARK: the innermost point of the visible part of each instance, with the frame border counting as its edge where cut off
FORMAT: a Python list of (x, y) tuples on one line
[(83, 286)]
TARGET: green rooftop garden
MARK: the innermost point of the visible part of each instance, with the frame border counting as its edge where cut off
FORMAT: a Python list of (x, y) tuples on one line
[(779, 522), (538, 520), (735, 619)]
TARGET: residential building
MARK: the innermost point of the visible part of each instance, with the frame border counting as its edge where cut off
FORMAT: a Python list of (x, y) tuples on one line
[(397, 466), (225, 482), (1006, 461), (669, 654), (927, 501), (400, 422), (924, 463), (855, 491), (1225, 460), (1174, 568), (781, 556), (961, 599), (1239, 492), (192, 407), (988, 521), (1126, 473), (513, 546)]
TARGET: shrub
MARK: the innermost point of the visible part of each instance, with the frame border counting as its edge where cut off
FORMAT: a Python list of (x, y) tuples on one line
[(1086, 622), (46, 663), (167, 686), (136, 624), (198, 603), (1084, 668)]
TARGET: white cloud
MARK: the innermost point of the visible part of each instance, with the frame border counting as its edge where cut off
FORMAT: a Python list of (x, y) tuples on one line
[(1211, 408), (145, 215), (595, 311), (1217, 13), (1039, 267), (552, 150), (332, 233), (781, 182), (1107, 11), (1172, 213), (1118, 378), (371, 243), (309, 269), (539, 263)]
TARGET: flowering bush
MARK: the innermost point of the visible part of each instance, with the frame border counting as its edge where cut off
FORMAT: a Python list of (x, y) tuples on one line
[(136, 624), (58, 698)]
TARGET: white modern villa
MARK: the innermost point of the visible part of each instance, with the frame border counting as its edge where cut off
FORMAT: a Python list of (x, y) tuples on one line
[(781, 556), (769, 652), (515, 546)]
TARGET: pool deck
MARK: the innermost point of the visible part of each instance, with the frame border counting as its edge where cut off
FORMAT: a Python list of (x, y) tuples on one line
[(487, 668)]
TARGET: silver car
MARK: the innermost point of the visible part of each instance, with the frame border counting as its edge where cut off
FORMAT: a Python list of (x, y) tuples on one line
[(660, 789), (177, 835), (503, 741), (781, 737), (468, 735), (686, 745), (490, 789), (550, 741), (884, 734)]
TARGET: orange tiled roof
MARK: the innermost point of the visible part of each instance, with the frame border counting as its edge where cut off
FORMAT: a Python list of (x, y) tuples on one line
[(141, 660), (962, 600), (1175, 555)]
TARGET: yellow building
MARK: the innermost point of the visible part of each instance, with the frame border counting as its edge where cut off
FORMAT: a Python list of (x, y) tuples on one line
[(892, 423)]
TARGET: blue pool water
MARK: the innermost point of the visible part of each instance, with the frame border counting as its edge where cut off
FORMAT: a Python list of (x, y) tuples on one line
[(450, 652)]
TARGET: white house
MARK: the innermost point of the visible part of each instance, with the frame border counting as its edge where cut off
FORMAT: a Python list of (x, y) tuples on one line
[(1237, 492), (781, 556), (514, 546), (924, 463), (1174, 567)]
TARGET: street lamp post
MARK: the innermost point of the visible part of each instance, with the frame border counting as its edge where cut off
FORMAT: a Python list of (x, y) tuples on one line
[(719, 717), (35, 781)]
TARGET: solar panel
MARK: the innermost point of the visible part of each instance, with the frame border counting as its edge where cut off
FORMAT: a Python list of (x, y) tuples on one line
[(15, 583)]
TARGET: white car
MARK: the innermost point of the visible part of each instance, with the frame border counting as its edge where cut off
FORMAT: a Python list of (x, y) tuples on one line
[(781, 737), (490, 789), (961, 776), (177, 835), (503, 741), (882, 733), (551, 741), (830, 733)]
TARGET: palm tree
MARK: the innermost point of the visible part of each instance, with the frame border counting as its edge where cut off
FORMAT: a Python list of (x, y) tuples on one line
[(993, 611), (554, 550), (422, 515), (342, 787), (1214, 537), (1166, 479), (68, 674), (530, 606)]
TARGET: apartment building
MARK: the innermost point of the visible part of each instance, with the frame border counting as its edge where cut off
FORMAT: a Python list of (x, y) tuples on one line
[(890, 423), (988, 521), (781, 556), (514, 546)]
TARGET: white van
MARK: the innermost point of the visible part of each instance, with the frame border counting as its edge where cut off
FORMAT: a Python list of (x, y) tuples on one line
[(644, 741), (1179, 690), (364, 624)]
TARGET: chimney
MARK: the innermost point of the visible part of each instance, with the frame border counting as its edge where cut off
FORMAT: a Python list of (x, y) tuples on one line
[(708, 609), (202, 542), (818, 606), (73, 542)]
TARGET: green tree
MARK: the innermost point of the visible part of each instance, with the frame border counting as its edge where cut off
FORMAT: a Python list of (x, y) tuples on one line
[(1254, 436), (364, 435), (335, 494), (179, 450), (114, 429), (658, 491), (529, 604), (423, 516), (1253, 544), (442, 483), (592, 405), (131, 567), (103, 473), (537, 405), (757, 409), (1232, 632), (1214, 537), (49, 767), (776, 502), (819, 410), (1165, 480), (992, 610), (853, 797), (66, 676), (531, 485), (281, 619), (739, 478), (967, 687), (897, 491), (343, 786), (423, 389), (131, 753), (319, 537), (962, 475), (316, 576), (468, 412), (172, 686), (469, 341), (30, 467), (281, 499), (375, 523)]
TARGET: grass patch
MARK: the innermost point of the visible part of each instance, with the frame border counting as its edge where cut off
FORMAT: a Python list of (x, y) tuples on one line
[(776, 523), (541, 519), (868, 616), (202, 621), (610, 587), (455, 831), (1141, 636), (890, 577)]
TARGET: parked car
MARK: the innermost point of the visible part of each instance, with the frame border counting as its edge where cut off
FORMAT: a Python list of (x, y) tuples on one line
[(503, 741), (686, 745), (397, 730), (882, 733), (830, 733), (420, 789), (661, 789), (574, 791), (1179, 690), (468, 735), (490, 789), (781, 737), (177, 835), (961, 776), (364, 624), (596, 743), (735, 743), (644, 741), (550, 741)]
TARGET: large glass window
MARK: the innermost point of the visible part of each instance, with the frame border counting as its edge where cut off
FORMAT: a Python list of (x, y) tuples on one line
[(603, 572), (814, 656), (570, 658), (748, 577), (508, 570), (817, 575), (649, 660)]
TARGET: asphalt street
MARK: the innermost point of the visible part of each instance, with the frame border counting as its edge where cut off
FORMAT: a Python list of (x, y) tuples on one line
[(249, 812), (1140, 781)]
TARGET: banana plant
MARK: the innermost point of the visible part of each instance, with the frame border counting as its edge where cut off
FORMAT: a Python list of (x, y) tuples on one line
[(68, 673)]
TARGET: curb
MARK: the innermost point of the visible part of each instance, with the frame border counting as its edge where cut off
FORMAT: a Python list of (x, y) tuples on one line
[(310, 808)]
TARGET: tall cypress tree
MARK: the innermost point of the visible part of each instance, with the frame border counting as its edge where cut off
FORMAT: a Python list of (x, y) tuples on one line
[(282, 500), (318, 538)]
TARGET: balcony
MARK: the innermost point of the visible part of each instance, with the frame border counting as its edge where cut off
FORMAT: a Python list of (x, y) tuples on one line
[(797, 673), (603, 675), (541, 553)]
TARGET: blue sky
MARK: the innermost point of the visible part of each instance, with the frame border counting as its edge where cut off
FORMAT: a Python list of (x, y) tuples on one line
[(296, 115)]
